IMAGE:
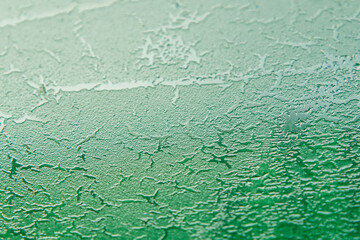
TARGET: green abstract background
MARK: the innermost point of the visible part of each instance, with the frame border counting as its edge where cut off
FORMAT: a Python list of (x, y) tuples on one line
[(179, 119)]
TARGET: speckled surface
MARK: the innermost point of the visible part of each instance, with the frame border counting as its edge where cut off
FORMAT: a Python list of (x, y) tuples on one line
[(179, 119)]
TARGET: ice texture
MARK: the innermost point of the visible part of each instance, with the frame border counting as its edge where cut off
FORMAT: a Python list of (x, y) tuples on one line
[(179, 119)]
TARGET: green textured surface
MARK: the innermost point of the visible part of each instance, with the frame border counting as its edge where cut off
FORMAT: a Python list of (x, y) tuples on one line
[(179, 119)]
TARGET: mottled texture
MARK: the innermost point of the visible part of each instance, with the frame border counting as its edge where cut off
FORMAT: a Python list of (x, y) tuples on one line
[(180, 119)]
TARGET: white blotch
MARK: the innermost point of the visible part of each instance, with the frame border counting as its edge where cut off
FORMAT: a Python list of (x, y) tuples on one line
[(27, 117), (176, 96)]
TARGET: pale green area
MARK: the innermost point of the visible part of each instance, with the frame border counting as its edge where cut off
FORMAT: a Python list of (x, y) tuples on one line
[(179, 119)]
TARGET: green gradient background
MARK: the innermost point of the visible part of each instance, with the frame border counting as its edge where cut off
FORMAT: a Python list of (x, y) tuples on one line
[(179, 119)]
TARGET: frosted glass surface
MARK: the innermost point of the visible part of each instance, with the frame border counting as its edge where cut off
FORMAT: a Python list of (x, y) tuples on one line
[(179, 119)]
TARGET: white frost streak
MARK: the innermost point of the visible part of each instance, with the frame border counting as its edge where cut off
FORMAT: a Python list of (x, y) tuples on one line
[(55, 12), (74, 88), (28, 117), (109, 86), (3, 117), (100, 86), (131, 85), (48, 14), (176, 96), (91, 6), (123, 85), (90, 136), (12, 70), (2, 124)]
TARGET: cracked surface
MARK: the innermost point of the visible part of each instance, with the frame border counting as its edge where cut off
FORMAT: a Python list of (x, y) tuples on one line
[(179, 119)]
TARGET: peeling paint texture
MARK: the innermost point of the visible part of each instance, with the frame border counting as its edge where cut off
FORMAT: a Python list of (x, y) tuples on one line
[(180, 119)]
